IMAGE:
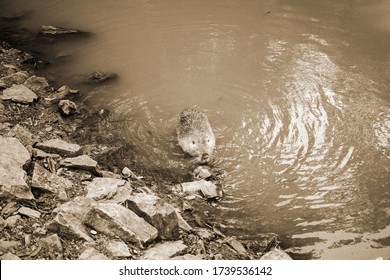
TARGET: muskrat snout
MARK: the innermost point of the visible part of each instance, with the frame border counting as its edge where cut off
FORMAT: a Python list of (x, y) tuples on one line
[(205, 158)]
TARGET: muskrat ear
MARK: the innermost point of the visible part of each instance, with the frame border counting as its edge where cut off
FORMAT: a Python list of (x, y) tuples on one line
[(185, 120)]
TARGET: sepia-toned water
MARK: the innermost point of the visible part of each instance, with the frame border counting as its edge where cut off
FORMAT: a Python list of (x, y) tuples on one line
[(298, 94)]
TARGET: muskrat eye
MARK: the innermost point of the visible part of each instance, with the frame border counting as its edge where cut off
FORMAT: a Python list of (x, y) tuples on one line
[(193, 142)]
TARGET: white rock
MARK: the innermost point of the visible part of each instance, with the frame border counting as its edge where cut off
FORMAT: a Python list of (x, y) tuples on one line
[(19, 93)]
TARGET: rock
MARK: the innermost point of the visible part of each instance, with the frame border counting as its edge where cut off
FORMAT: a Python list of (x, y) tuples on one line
[(99, 77), (17, 78), (3, 223), (236, 245), (31, 213), (69, 227), (92, 254), (52, 30), (11, 69), (14, 156), (2, 84), (78, 207), (122, 194), (52, 243), (165, 251), (9, 256), (45, 180), (67, 107), (109, 174), (117, 249), (127, 173), (36, 83), (13, 220), (5, 245), (156, 212), (189, 257), (20, 94), (83, 162), (2, 109), (276, 254), (23, 134), (39, 154), (206, 188), (103, 188), (60, 147), (116, 220), (182, 223), (204, 233), (201, 172), (9, 209)]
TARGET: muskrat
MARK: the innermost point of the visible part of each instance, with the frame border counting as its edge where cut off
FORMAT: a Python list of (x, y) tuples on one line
[(195, 135)]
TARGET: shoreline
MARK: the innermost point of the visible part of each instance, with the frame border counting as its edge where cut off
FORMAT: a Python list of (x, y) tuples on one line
[(63, 200)]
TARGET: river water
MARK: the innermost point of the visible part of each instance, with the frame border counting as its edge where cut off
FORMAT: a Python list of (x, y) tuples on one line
[(298, 94)]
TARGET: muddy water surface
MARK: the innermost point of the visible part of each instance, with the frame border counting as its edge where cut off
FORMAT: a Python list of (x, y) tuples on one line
[(297, 93)]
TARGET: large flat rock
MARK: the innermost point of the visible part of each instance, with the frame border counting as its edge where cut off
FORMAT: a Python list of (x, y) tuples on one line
[(23, 134), (156, 212), (58, 146), (116, 220), (103, 188), (20, 94), (165, 251), (12, 176), (78, 207), (83, 162), (45, 180)]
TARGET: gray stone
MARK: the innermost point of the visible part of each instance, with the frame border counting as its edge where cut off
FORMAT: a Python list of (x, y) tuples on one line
[(58, 146), (236, 245), (45, 180), (20, 94), (116, 220), (206, 188), (156, 212), (69, 227), (204, 233), (53, 30), (36, 83), (15, 78), (117, 249), (165, 251), (39, 154), (13, 220), (3, 223), (9, 209), (103, 188), (78, 207), (23, 134), (12, 176), (183, 225), (31, 213), (9, 256), (122, 194), (109, 174), (276, 254), (201, 172), (52, 242), (67, 107), (99, 77), (83, 162), (92, 254)]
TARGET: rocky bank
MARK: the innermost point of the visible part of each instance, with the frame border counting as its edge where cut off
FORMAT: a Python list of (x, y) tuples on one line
[(59, 201)]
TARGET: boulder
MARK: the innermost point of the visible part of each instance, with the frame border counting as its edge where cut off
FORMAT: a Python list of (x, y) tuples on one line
[(276, 254), (9, 256), (165, 251), (20, 94), (103, 188), (117, 249), (12, 176), (156, 212), (60, 147), (36, 83), (67, 107), (92, 254), (53, 30), (15, 78), (83, 162), (78, 207), (45, 180), (23, 134), (206, 188), (31, 213), (99, 77), (69, 227), (116, 220)]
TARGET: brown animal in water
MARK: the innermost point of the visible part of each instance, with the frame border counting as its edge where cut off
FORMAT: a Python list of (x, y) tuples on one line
[(195, 135)]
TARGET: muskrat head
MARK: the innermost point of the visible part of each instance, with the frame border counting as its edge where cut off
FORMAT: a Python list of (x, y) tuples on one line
[(199, 147)]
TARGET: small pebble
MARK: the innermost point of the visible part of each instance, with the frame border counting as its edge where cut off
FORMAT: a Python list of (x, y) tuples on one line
[(93, 232)]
